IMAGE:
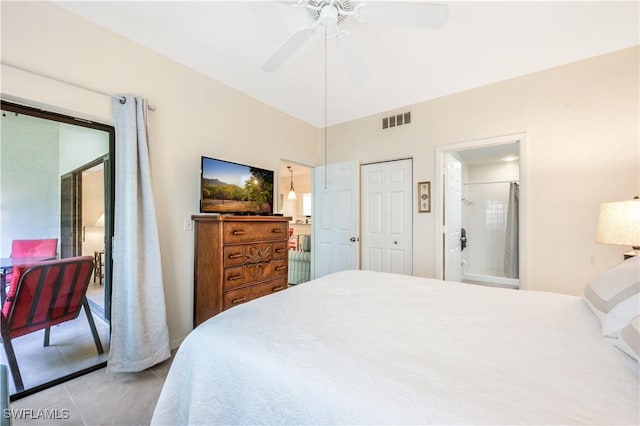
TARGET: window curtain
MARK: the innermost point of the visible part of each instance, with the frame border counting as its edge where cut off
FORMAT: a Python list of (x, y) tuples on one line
[(511, 246), (139, 332)]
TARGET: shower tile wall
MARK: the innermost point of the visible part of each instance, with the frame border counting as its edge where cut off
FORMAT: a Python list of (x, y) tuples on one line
[(484, 216)]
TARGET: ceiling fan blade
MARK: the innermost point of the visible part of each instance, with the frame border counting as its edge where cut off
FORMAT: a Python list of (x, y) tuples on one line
[(350, 55), (288, 48), (403, 13)]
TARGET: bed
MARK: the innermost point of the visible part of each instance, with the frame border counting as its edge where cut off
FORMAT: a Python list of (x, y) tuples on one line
[(360, 347)]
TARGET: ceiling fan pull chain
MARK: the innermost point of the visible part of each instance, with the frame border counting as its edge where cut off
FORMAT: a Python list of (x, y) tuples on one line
[(340, 33)]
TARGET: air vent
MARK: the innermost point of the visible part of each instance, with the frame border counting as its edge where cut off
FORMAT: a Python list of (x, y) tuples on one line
[(396, 120)]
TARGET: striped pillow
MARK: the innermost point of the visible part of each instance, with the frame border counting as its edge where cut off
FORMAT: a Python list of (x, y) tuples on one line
[(614, 296), (629, 340)]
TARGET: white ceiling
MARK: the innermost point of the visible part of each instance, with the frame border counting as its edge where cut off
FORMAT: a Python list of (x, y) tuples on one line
[(482, 42)]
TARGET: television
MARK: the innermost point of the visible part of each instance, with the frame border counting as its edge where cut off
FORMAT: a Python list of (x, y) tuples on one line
[(233, 188)]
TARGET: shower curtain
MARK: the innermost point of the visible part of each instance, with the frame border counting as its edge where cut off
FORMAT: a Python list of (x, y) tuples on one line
[(511, 251)]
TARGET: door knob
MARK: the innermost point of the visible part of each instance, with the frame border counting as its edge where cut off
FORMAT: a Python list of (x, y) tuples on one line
[(463, 239), (354, 239)]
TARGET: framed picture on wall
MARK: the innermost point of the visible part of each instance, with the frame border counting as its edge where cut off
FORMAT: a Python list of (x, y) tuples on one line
[(424, 197)]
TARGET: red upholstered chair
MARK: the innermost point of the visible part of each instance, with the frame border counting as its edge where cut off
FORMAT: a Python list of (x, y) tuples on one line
[(32, 248), (42, 295)]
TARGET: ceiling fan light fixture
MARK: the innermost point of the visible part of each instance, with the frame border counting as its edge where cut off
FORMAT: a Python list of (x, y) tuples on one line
[(331, 13), (329, 16)]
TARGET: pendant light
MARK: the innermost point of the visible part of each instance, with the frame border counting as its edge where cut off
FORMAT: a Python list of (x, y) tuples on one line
[(292, 191)]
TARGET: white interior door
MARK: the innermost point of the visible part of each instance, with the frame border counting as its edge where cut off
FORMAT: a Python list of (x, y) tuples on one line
[(387, 232), (335, 218), (452, 217)]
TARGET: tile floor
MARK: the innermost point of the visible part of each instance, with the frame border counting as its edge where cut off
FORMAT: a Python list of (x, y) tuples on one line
[(95, 294), (96, 398), (71, 349), (99, 398)]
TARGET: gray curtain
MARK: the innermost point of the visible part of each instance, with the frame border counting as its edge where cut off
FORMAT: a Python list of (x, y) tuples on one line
[(511, 250), (139, 332)]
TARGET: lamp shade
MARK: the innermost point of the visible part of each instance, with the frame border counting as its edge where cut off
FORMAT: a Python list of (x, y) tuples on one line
[(100, 221), (619, 223)]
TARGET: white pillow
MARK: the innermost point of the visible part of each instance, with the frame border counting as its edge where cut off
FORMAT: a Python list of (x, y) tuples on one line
[(614, 296), (629, 340)]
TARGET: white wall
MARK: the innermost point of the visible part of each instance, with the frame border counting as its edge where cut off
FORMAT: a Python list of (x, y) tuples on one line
[(80, 145), (30, 184), (194, 116), (582, 122), (93, 203), (491, 172), (35, 152)]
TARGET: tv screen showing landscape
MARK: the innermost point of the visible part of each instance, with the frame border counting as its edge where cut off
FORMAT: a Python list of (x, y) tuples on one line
[(233, 188)]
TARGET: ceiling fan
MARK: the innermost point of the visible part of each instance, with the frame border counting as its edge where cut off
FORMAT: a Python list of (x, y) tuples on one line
[(332, 13)]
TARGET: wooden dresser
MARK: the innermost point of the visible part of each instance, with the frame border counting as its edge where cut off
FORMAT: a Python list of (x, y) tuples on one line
[(237, 259)]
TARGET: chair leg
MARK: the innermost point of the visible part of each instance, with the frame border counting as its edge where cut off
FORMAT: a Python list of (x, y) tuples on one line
[(13, 364), (47, 334), (92, 324)]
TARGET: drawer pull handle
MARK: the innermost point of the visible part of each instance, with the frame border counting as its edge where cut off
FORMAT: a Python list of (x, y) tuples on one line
[(280, 250), (235, 277), (277, 231), (280, 268), (235, 256), (238, 300), (239, 232), (280, 287)]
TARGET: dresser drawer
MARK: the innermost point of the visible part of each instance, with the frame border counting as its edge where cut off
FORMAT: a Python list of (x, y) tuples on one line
[(244, 232), (236, 297), (280, 249), (255, 272), (279, 268), (235, 255), (233, 277)]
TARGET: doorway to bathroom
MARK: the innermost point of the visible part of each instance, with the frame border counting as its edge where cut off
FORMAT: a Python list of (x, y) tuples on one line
[(479, 219)]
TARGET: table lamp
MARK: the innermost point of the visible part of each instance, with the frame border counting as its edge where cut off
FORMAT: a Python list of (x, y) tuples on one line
[(619, 224)]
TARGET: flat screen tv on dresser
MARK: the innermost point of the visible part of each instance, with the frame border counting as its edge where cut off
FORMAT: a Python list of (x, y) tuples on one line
[(233, 188)]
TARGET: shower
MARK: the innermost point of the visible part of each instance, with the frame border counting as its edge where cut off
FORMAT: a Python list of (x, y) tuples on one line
[(481, 231), (491, 247)]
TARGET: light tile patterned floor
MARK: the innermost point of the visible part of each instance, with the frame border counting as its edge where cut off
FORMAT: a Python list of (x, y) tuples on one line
[(71, 349), (98, 398)]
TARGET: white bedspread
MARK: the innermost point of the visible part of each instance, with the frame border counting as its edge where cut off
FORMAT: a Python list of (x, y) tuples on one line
[(369, 348)]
